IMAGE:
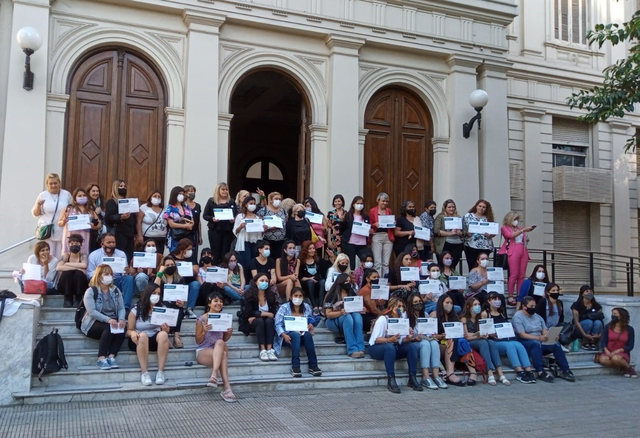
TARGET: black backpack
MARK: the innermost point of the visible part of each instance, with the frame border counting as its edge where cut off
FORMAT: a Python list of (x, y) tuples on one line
[(48, 356), (81, 310)]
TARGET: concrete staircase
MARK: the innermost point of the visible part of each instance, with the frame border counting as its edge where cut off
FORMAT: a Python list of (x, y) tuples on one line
[(83, 381)]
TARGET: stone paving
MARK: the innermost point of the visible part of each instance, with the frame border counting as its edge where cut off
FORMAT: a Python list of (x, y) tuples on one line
[(599, 406)]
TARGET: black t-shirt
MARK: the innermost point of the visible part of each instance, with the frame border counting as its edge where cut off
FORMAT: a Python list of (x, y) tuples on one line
[(583, 311), (298, 231), (405, 225), (262, 269)]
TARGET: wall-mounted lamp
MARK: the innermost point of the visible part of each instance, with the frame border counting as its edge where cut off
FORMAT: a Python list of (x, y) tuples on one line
[(29, 41), (478, 100)]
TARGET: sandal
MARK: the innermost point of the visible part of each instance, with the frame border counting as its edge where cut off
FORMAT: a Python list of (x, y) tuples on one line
[(504, 381), (213, 382), (228, 396), (177, 342), (447, 379), (470, 381), (491, 381)]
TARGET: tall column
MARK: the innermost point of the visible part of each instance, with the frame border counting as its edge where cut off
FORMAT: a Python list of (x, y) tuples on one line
[(320, 169), (533, 22), (343, 133), (175, 149), (463, 175), (56, 113), (441, 189), (224, 125), (201, 100), (533, 194), (23, 158), (493, 141), (620, 132)]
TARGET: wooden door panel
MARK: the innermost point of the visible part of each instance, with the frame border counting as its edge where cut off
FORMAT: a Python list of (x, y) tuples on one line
[(139, 166), (92, 149), (378, 166), (412, 174)]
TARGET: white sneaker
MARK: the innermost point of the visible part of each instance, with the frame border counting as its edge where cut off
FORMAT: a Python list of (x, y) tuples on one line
[(264, 356), (160, 378), (272, 355), (565, 349), (145, 379), (190, 315)]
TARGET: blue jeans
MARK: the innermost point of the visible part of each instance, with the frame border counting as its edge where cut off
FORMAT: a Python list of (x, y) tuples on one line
[(591, 327), (310, 348), (351, 327), (429, 306), (536, 350), (245, 257), (194, 290), (126, 285), (228, 291), (516, 353), (429, 353), (141, 280), (390, 352), (488, 351)]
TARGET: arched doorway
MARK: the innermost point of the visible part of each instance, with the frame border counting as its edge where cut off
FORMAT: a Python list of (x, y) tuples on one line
[(268, 141), (115, 124), (398, 155)]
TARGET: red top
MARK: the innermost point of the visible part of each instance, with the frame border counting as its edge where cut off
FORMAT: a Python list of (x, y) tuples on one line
[(617, 340), (373, 218)]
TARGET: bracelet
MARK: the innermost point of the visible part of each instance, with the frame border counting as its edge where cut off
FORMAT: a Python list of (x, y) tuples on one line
[(160, 274)]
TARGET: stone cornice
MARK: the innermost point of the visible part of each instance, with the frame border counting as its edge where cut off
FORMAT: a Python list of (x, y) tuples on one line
[(344, 44), (203, 21)]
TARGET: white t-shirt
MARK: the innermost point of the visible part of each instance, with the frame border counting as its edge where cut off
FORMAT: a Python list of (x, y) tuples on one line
[(264, 308), (144, 326), (152, 226), (49, 208), (53, 263)]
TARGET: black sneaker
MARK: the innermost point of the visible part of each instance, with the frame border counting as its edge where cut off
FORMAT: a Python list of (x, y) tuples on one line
[(568, 376), (68, 303), (315, 371), (340, 340), (545, 377), (523, 377), (531, 376), (295, 372)]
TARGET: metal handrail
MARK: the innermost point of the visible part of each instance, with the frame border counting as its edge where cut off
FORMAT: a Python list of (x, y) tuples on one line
[(15, 245)]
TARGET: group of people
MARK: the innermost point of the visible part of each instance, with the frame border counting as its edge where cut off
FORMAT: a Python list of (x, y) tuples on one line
[(285, 259)]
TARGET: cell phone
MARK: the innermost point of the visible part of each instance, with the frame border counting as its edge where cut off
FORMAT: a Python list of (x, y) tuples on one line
[(533, 227)]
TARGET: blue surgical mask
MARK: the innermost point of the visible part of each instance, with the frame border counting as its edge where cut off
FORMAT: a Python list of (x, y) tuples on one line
[(266, 252), (477, 309), (263, 285), (312, 271)]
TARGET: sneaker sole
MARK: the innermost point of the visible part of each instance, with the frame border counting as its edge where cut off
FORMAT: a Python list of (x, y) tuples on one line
[(315, 374), (296, 375)]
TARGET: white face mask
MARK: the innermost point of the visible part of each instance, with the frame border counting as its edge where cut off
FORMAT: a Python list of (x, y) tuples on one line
[(448, 262), (515, 223), (156, 201), (154, 298), (368, 265), (251, 207), (540, 275), (435, 275), (484, 263), (107, 280), (151, 249), (276, 203), (188, 253), (180, 197), (296, 301), (307, 209), (359, 207)]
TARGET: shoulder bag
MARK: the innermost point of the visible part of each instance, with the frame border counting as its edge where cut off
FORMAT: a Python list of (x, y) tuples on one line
[(44, 232), (502, 260)]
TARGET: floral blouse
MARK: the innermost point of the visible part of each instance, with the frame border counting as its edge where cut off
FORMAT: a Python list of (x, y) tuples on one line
[(173, 213), (335, 220), (477, 241)]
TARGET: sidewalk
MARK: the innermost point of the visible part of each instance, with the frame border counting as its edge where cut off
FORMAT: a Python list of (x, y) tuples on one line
[(597, 406)]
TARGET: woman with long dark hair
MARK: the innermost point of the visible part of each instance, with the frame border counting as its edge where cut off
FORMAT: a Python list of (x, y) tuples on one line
[(354, 244), (179, 218), (339, 321), (258, 313), (588, 318)]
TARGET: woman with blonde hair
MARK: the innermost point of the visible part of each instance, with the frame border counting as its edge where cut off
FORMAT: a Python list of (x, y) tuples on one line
[(49, 204), (242, 194), (515, 247), (340, 266), (124, 225), (220, 231), (287, 205), (448, 240)]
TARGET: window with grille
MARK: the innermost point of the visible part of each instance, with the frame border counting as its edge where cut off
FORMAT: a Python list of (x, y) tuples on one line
[(571, 141), (571, 20)]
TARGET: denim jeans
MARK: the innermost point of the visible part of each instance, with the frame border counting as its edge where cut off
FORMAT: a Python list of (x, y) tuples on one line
[(516, 353), (390, 352), (591, 327), (232, 293), (141, 280), (429, 353), (536, 350), (488, 351), (194, 290), (351, 327), (307, 340), (126, 285)]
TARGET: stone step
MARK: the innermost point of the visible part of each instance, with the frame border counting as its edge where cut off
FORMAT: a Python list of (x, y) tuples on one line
[(68, 327)]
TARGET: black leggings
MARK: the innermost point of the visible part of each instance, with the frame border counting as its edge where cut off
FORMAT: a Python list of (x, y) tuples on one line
[(313, 290), (220, 243), (73, 284), (264, 328), (109, 343), (354, 250)]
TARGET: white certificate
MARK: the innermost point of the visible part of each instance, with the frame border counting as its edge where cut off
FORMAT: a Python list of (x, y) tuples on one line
[(273, 222), (128, 205), (386, 221), (427, 287), (486, 326), (538, 289), (380, 292), (31, 272), (427, 326), (185, 269), (314, 218), (424, 269), (161, 315), (504, 330), (175, 292), (118, 264), (360, 228), (496, 286), (216, 275), (383, 281), (223, 214), (116, 330), (409, 274), (453, 330), (423, 233), (220, 322), (495, 274), (457, 283), (398, 326), (296, 324), (353, 304), (452, 223), (79, 222), (254, 225), (492, 228), (145, 260)]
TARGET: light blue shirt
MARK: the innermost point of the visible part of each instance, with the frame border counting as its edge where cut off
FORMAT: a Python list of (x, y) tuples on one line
[(95, 259)]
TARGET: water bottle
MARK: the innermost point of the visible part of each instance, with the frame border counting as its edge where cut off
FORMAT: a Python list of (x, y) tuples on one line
[(576, 345)]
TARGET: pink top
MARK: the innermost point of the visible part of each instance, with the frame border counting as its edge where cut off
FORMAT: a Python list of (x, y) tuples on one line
[(319, 229), (357, 239)]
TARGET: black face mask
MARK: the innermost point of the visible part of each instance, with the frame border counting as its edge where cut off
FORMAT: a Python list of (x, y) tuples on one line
[(418, 307), (346, 287), (206, 259), (343, 268), (614, 318), (432, 212), (191, 196), (170, 270), (301, 213), (74, 249), (530, 310), (555, 295), (376, 281), (412, 212), (122, 191)]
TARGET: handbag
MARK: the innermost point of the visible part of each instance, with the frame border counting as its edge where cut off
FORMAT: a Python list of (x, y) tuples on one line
[(314, 236), (502, 260), (566, 334), (38, 287), (44, 232), (595, 316)]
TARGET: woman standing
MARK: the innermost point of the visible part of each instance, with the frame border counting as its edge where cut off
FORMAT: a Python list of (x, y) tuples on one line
[(73, 272), (354, 244), (298, 226), (220, 231), (618, 339), (405, 228), (78, 206), (335, 218), (48, 207), (179, 218), (430, 208), (476, 243), (257, 315), (448, 240), (339, 321), (382, 238), (320, 229), (275, 236), (588, 317), (245, 241), (151, 224), (124, 225), (196, 211), (96, 203), (515, 247)]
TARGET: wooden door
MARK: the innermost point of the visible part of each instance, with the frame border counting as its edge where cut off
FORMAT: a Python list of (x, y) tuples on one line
[(398, 156), (115, 125)]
